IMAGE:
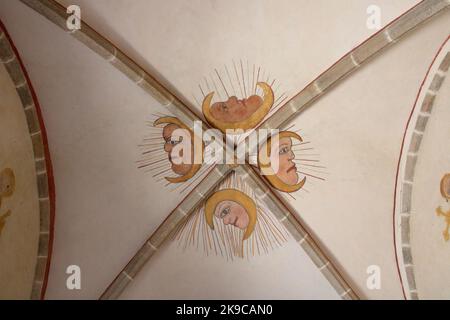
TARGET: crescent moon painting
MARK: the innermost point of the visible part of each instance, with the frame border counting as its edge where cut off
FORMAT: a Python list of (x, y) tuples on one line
[(445, 186), (232, 223), (239, 97), (238, 114), (298, 164), (233, 207), (185, 170), (158, 158), (286, 178)]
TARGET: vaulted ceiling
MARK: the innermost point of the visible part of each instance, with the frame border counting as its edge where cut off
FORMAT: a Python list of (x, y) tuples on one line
[(370, 105)]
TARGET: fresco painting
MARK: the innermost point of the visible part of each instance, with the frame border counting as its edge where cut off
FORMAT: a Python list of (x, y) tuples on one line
[(231, 217), (286, 178), (7, 187), (440, 211), (243, 114), (235, 114), (233, 223), (172, 153)]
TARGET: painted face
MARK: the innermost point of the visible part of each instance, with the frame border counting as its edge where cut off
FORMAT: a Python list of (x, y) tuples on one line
[(287, 171), (7, 183), (179, 168), (232, 213), (234, 110)]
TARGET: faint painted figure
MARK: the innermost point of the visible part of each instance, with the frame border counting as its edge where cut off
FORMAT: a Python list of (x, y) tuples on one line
[(7, 187), (445, 192)]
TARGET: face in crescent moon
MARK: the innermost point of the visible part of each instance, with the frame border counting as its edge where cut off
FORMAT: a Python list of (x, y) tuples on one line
[(276, 161), (235, 110), (170, 142), (232, 213), (287, 171), (236, 114)]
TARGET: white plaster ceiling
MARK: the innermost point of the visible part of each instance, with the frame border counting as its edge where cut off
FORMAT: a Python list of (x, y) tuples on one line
[(95, 118)]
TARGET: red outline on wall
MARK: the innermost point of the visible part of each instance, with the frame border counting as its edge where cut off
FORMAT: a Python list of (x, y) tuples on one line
[(401, 155), (49, 167), (50, 172)]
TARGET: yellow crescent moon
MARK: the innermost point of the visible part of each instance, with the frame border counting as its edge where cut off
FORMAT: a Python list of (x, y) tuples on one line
[(246, 124), (444, 188), (195, 167), (235, 196), (264, 162)]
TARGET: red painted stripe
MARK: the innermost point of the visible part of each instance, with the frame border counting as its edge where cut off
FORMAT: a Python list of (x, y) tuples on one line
[(400, 157), (49, 167)]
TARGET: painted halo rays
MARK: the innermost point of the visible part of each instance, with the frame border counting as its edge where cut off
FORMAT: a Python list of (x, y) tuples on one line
[(232, 221), (275, 178)]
